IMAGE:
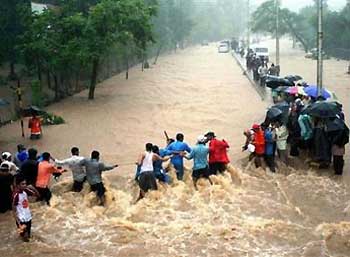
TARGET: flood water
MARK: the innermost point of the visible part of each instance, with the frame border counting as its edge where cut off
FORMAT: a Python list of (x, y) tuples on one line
[(247, 212)]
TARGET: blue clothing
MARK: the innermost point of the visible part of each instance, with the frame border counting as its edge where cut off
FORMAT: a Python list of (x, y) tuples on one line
[(199, 154), (22, 156), (269, 142), (178, 146)]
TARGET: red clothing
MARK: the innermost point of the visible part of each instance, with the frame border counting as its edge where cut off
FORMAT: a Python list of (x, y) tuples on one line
[(45, 170), (259, 142), (218, 151), (35, 126)]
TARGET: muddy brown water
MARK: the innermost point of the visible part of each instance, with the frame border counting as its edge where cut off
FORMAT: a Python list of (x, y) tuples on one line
[(247, 212)]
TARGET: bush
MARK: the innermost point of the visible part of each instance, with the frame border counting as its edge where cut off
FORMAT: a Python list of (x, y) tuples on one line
[(52, 119)]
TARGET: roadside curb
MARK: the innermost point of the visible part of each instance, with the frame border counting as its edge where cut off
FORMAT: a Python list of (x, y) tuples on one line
[(257, 88)]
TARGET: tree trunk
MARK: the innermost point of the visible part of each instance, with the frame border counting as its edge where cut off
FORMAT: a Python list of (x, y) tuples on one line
[(93, 80), (38, 65), (12, 74), (158, 53), (127, 68), (48, 76), (55, 79)]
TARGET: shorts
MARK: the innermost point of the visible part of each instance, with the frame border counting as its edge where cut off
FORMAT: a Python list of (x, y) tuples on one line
[(217, 166), (27, 230), (45, 194), (78, 185), (35, 136), (204, 173), (99, 188), (147, 181)]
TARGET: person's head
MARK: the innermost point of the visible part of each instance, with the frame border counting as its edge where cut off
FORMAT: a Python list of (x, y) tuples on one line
[(95, 155), (46, 156), (75, 151), (21, 183), (155, 149), (210, 135), (256, 127), (272, 65), (201, 140), (180, 137), (6, 156), (20, 148), (4, 167), (149, 147), (32, 154)]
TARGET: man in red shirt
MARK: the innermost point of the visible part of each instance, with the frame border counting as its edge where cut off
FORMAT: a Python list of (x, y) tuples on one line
[(34, 125), (218, 158)]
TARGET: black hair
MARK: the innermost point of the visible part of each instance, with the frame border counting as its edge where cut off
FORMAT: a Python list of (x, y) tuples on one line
[(20, 179), (149, 147), (46, 156), (5, 167), (179, 137), (95, 155), (32, 154), (20, 147), (155, 149), (75, 150)]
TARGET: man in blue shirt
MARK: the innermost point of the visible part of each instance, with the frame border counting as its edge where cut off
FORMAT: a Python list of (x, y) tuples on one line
[(177, 149), (199, 154), (269, 152)]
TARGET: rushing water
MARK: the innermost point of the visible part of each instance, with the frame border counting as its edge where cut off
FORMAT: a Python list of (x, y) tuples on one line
[(247, 212)]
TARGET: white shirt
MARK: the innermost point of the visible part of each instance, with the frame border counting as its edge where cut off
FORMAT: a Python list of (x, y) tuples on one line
[(74, 164), (22, 207), (147, 163)]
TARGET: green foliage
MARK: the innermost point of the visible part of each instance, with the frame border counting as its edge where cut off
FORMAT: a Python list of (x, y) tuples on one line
[(52, 119), (37, 94)]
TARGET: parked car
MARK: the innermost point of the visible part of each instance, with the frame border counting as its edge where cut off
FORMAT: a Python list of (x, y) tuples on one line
[(313, 54)]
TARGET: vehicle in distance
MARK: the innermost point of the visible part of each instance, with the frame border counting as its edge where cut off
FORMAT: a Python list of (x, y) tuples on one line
[(224, 47), (262, 52)]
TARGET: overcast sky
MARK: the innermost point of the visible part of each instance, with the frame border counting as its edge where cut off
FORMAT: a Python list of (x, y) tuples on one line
[(297, 4)]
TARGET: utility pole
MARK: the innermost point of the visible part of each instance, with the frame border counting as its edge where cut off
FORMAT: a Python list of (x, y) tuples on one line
[(248, 26), (277, 5), (320, 47)]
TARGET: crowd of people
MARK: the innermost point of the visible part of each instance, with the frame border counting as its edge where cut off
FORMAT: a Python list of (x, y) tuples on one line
[(258, 66), (300, 126), (29, 173)]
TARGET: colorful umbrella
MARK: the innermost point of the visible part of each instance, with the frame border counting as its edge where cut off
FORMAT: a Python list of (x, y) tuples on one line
[(313, 92), (295, 90)]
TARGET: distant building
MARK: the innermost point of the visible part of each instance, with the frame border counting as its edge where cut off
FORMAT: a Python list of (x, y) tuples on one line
[(38, 8)]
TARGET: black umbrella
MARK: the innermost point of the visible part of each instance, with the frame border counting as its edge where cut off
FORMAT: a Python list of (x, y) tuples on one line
[(274, 82), (31, 110), (337, 131), (3, 102), (273, 113), (293, 78), (281, 89), (335, 125), (323, 109)]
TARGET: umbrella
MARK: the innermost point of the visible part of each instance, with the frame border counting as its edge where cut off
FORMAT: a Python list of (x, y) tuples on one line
[(273, 113), (293, 78), (283, 106), (323, 109), (31, 110), (295, 90), (281, 89), (312, 91), (3, 102), (335, 125), (274, 82)]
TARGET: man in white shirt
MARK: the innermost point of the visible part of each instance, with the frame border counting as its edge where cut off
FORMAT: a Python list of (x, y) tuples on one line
[(78, 171)]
